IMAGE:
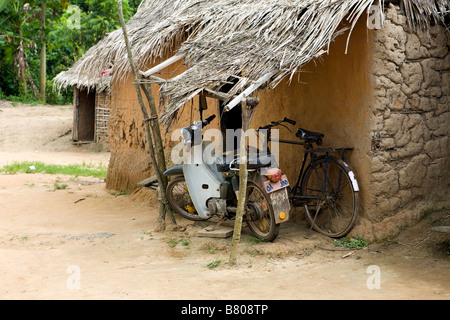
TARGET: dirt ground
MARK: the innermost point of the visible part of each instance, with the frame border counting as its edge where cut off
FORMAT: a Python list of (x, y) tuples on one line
[(86, 242)]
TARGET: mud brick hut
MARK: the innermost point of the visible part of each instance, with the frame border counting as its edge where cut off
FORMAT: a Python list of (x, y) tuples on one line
[(91, 107), (374, 75)]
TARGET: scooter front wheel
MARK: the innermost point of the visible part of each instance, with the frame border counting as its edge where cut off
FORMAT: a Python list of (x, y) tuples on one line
[(259, 213), (180, 200)]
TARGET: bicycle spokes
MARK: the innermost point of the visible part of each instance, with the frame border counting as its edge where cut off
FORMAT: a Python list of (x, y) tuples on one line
[(331, 205)]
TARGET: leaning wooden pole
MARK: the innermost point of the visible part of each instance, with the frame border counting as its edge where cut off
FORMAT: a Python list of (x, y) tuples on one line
[(243, 176), (156, 130), (162, 199)]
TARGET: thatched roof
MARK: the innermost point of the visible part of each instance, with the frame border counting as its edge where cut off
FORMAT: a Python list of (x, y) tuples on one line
[(244, 39)]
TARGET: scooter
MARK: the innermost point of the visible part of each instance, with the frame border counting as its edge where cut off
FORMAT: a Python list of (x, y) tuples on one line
[(200, 188)]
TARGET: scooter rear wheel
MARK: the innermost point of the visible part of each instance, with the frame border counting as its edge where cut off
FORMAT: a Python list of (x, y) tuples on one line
[(259, 213), (180, 200)]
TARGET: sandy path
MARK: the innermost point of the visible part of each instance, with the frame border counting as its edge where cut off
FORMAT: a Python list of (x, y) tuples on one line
[(41, 133), (83, 242)]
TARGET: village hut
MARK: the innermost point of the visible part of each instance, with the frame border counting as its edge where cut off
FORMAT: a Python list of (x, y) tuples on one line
[(373, 75), (91, 106)]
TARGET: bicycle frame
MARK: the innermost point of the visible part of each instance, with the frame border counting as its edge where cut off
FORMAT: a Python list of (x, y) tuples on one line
[(326, 186), (309, 150)]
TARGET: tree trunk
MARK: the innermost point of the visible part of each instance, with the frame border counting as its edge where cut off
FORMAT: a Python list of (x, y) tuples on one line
[(21, 65), (162, 182), (42, 55)]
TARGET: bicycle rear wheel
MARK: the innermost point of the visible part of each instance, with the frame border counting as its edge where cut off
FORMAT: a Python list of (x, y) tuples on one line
[(333, 204)]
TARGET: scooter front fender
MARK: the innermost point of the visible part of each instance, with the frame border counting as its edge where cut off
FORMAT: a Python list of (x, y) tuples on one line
[(174, 171)]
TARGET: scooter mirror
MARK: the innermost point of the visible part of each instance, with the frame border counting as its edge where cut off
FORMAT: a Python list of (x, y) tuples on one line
[(187, 136)]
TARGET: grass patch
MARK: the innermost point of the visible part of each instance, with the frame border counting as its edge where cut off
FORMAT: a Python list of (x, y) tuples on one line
[(351, 243), (256, 240), (121, 193), (86, 170), (213, 264), (173, 243), (58, 186)]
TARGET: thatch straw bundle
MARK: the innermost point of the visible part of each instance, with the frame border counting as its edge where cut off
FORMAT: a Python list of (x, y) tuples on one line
[(244, 39)]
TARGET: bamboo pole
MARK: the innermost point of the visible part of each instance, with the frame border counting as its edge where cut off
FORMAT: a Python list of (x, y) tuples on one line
[(161, 66), (260, 82), (163, 204), (159, 149), (156, 130), (247, 112)]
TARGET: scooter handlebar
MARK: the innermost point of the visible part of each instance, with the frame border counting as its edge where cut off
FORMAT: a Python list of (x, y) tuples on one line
[(208, 120)]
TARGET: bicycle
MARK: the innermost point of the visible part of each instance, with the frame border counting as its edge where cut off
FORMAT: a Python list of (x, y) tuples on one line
[(326, 187)]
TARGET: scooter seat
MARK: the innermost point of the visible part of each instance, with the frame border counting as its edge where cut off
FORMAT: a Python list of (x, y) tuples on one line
[(224, 164)]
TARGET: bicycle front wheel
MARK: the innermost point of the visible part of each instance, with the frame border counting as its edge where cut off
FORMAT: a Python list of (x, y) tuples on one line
[(332, 204)]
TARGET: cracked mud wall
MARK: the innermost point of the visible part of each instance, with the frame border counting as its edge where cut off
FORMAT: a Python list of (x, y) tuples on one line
[(409, 123)]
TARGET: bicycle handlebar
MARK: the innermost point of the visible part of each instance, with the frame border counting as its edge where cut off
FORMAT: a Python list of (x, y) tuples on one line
[(289, 121), (274, 124)]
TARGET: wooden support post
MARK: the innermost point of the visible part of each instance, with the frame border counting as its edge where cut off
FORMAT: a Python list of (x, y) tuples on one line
[(247, 113), (163, 204)]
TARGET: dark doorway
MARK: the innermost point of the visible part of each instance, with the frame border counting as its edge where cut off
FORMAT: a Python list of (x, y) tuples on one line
[(230, 120), (84, 115)]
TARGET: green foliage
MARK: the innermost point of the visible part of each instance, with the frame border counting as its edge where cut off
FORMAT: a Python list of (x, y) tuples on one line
[(256, 240), (214, 264), (58, 186), (98, 171), (65, 45), (352, 243), (172, 242)]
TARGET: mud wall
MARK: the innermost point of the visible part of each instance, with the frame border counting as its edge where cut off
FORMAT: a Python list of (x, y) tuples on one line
[(129, 161), (409, 123)]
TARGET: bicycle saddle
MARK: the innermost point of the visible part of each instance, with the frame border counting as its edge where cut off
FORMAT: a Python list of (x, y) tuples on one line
[(309, 135)]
